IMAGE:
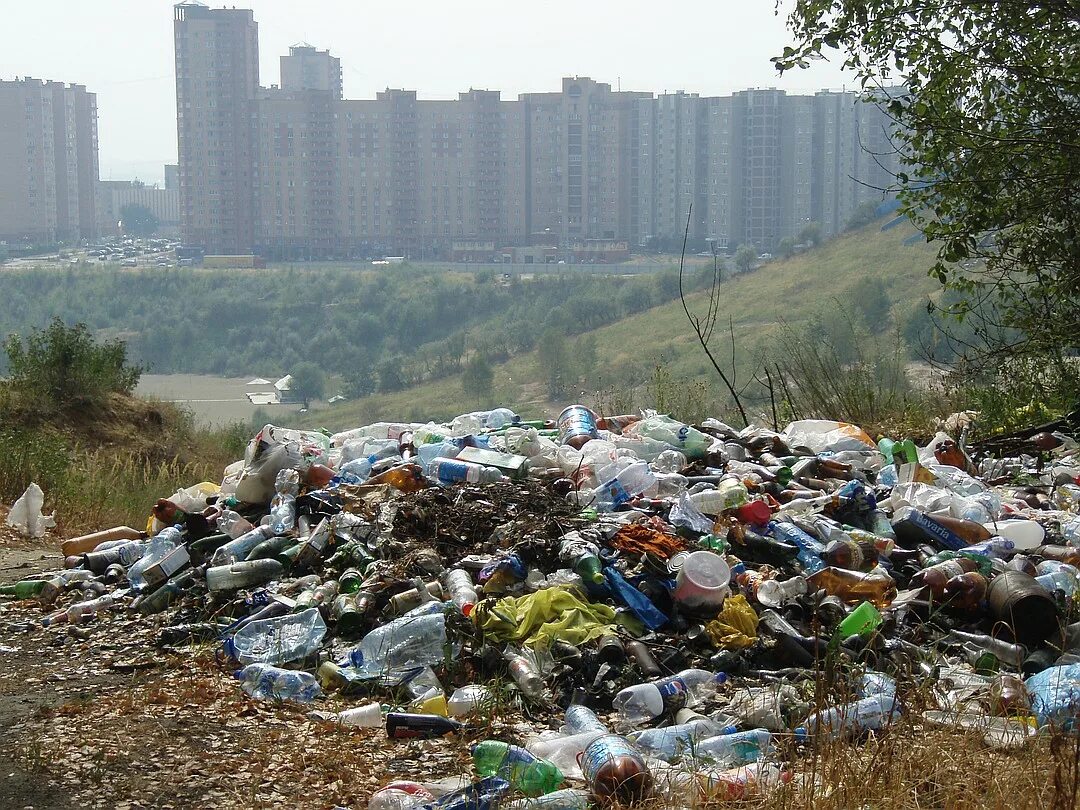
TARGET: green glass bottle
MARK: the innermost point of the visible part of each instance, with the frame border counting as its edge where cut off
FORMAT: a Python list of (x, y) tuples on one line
[(589, 568), (23, 590), (529, 774)]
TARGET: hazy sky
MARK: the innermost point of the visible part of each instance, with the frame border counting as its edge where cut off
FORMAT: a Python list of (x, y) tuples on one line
[(123, 51)]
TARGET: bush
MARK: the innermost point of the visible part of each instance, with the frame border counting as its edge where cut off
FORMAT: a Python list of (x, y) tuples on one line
[(61, 367)]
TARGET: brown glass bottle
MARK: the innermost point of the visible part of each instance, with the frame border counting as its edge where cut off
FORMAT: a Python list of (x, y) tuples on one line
[(854, 586), (937, 576), (966, 591)]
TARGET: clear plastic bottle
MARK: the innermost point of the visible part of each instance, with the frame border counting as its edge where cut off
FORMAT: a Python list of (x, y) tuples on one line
[(773, 593), (409, 641), (565, 799), (265, 681), (524, 673), (458, 584), (80, 611), (615, 770), (401, 795), (233, 524), (647, 701), (636, 479), (729, 493), (870, 713), (469, 699), (159, 546), (283, 507), (810, 549), (672, 741), (238, 549), (738, 748), (278, 640), (580, 719)]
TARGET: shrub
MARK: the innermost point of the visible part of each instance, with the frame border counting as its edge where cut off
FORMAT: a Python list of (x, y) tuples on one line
[(62, 367)]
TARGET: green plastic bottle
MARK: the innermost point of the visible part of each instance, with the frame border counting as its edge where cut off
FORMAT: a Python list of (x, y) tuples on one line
[(589, 568), (23, 590), (529, 774)]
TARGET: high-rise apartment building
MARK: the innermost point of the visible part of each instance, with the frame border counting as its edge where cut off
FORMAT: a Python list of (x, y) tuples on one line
[(48, 162), (294, 170), (217, 76)]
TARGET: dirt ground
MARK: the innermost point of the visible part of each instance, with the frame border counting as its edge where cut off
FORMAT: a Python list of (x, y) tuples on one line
[(97, 716)]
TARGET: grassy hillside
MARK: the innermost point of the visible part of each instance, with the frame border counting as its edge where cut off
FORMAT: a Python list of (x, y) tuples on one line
[(813, 283)]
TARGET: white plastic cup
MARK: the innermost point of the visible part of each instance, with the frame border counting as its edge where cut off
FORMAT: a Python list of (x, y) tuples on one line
[(702, 581)]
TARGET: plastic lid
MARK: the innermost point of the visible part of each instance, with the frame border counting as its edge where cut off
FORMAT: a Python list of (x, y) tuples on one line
[(801, 733)]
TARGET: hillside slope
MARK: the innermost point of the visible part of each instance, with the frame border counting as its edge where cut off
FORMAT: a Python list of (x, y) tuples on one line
[(815, 282)]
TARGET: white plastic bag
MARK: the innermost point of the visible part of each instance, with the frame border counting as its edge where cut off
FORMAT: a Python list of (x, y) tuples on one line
[(822, 435), (25, 515)]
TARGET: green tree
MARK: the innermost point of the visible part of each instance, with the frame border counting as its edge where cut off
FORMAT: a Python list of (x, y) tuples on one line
[(557, 362), (810, 234), (786, 247), (389, 375), (62, 367), (745, 257), (308, 382), (138, 220), (864, 214), (869, 300), (986, 124), (478, 378)]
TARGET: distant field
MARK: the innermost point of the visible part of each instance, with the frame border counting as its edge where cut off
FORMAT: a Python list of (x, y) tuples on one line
[(215, 401)]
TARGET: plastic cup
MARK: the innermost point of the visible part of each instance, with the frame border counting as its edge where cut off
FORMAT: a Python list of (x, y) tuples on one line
[(862, 620), (702, 581)]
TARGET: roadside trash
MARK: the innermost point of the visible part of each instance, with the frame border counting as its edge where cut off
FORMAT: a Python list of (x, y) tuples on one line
[(609, 608), (25, 515)]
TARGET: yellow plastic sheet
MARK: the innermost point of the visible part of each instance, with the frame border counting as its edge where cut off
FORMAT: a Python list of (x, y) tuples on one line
[(540, 618), (736, 626)]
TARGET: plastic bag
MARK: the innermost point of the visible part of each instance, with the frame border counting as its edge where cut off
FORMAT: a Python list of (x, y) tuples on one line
[(1055, 696), (736, 626), (543, 617), (684, 513), (25, 515), (824, 435), (692, 442)]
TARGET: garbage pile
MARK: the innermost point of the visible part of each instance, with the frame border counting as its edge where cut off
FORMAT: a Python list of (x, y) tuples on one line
[(674, 608)]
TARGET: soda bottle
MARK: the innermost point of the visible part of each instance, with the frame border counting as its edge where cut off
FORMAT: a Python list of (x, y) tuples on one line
[(269, 682), (89, 542), (405, 477), (966, 591), (403, 726), (458, 583), (453, 471), (582, 556), (737, 748), (647, 701), (670, 742), (529, 774), (854, 586), (615, 770)]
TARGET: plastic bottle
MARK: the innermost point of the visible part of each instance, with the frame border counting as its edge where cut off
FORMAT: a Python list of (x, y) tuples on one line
[(283, 506), (370, 715), (269, 682), (242, 574), (729, 493), (583, 557), (458, 584), (773, 593), (738, 748), (615, 770), (636, 479), (671, 741), (233, 524), (581, 719), (453, 471), (810, 550), (406, 726), (238, 549), (125, 554), (524, 673), (410, 640), (158, 547), (870, 713), (89, 542), (524, 771), (854, 586), (400, 795), (565, 799), (647, 701), (278, 640)]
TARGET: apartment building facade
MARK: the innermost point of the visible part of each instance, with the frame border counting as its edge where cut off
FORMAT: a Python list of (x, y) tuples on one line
[(48, 162), (114, 195), (295, 170)]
